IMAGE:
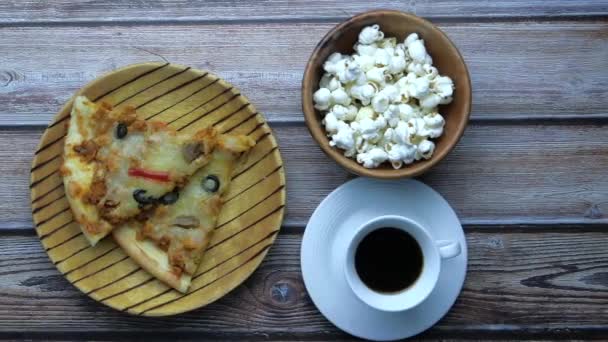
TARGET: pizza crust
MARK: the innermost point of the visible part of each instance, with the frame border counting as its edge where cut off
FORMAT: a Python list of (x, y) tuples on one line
[(151, 258), (78, 173)]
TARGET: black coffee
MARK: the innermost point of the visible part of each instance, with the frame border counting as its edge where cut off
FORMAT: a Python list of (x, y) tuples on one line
[(388, 260)]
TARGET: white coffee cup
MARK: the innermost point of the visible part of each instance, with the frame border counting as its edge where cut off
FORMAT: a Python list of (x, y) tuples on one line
[(433, 252)]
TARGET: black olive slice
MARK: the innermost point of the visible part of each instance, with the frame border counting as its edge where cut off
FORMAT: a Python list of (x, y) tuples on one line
[(211, 183), (121, 130), (169, 198), (140, 196)]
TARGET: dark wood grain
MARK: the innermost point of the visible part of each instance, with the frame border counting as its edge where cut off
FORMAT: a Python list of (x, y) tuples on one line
[(519, 70), (199, 10), (534, 158), (498, 173), (533, 283)]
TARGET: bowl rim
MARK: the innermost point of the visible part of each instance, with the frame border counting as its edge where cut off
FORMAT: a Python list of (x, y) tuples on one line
[(318, 134)]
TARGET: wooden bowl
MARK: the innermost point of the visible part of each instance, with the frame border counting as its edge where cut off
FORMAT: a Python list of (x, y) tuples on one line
[(397, 24), (188, 99)]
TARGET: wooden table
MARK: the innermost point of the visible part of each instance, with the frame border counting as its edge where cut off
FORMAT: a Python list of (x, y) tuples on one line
[(528, 180)]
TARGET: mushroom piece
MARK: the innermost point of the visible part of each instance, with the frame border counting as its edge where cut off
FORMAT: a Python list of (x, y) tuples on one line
[(192, 151), (186, 221)]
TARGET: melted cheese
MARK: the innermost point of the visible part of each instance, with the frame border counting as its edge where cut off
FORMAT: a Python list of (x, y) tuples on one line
[(149, 146)]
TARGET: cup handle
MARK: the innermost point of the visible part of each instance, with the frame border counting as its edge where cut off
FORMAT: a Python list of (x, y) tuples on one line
[(448, 249)]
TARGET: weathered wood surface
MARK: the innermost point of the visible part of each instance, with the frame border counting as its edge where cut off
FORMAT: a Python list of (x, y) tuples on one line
[(518, 70), (499, 173), (539, 282), (33, 11), (528, 178)]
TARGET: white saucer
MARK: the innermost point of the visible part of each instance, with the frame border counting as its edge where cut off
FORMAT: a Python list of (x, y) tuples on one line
[(324, 250)]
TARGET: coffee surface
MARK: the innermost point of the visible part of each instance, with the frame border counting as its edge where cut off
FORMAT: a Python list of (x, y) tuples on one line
[(388, 260)]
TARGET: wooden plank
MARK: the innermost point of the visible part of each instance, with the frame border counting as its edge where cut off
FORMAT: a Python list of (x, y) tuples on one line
[(518, 70), (498, 173), (183, 10), (524, 284)]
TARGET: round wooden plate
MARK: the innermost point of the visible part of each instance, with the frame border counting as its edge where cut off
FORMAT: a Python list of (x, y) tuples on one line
[(187, 99)]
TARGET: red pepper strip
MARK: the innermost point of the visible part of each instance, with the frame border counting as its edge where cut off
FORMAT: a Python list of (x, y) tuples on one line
[(154, 175)]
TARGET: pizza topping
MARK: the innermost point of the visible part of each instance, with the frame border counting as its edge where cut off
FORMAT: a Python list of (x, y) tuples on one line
[(192, 151), (164, 243), (88, 150), (140, 196), (138, 126), (143, 216), (178, 261), (74, 189), (186, 221), (110, 204), (64, 170), (160, 176), (121, 130), (211, 183), (92, 227), (96, 192), (169, 198)]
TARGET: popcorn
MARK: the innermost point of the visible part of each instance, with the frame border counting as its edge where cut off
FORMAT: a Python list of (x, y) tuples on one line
[(322, 98), (376, 75), (402, 153), (389, 135), (433, 123), (330, 82), (331, 123), (444, 87), (391, 92), (425, 149), (406, 111), (371, 129), (347, 71), (403, 133), (431, 71), (430, 101), (343, 138), (415, 48), (380, 104), (341, 113), (331, 64), (388, 43), (366, 50), (397, 64), (365, 62), (339, 96), (418, 87), (372, 158), (364, 93), (382, 57), (365, 112), (416, 69), (392, 115), (370, 35)]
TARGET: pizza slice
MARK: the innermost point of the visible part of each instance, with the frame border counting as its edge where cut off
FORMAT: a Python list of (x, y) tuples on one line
[(78, 168), (170, 241), (116, 165)]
